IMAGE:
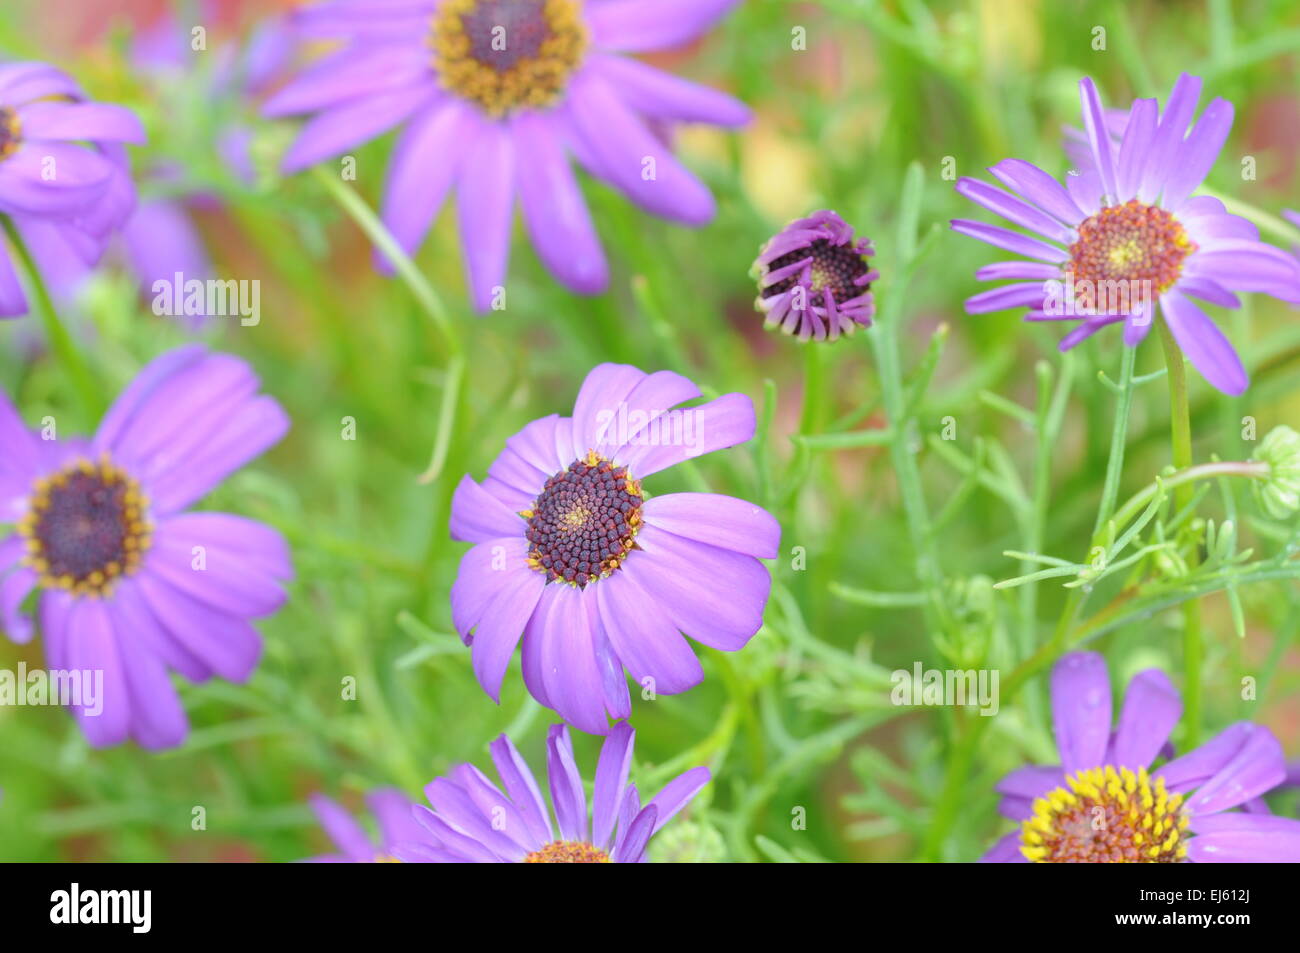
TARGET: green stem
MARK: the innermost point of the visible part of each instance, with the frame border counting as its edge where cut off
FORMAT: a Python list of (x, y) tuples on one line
[(1118, 438), (1180, 438), (65, 349), (884, 340)]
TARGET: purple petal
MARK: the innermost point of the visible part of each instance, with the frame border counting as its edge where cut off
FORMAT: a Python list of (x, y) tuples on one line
[(357, 71), (1023, 295), (691, 432), (1081, 710), (347, 835), (637, 26), (1245, 838), (1005, 851), (645, 637), (421, 172), (517, 590), (718, 520), (1204, 344), (1256, 767), (611, 781), (1014, 210), (555, 212), (477, 516), (1197, 155), (484, 205), (92, 647), (1151, 710), (625, 152), (1169, 135), (566, 633), (522, 788), (1010, 241), (713, 595), (679, 792), (567, 793), (89, 122), (334, 131), (1099, 141), (659, 95), (1136, 147), (1039, 188)]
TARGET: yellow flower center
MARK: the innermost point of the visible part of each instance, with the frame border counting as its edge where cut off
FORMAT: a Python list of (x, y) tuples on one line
[(85, 527), (507, 55), (1107, 816), (1127, 243), (11, 131), (568, 852)]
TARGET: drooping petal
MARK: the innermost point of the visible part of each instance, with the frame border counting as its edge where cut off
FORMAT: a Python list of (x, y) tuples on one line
[(484, 207), (1205, 345), (555, 212)]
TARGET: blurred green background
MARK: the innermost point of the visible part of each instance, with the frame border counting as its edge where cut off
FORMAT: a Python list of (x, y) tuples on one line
[(800, 718)]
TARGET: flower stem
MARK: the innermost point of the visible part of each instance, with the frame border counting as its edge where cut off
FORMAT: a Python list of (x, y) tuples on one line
[(65, 349), (1181, 447)]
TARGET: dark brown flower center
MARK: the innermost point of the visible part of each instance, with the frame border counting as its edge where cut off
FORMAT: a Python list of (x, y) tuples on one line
[(506, 55), (836, 267), (1130, 242), (10, 132), (584, 522), (85, 527), (1106, 816), (567, 852)]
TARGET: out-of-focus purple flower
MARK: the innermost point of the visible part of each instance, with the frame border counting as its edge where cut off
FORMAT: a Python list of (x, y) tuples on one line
[(571, 555), (1182, 811), (64, 176), (474, 821), (1126, 232), (394, 818), (814, 280), (494, 95), (129, 583), (161, 240)]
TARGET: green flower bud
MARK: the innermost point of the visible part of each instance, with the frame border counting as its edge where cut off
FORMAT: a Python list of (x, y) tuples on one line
[(1279, 493)]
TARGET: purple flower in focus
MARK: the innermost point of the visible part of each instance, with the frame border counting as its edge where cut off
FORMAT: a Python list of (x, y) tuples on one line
[(595, 576), (64, 175), (814, 280), (494, 97), (128, 582), (1183, 811), (1126, 232), (473, 821), (397, 826)]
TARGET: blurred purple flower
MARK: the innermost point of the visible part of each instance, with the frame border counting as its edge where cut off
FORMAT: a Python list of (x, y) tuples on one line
[(397, 826), (1183, 811), (814, 280), (161, 240), (594, 576), (1126, 231), (494, 96), (472, 821), (64, 175), (129, 583)]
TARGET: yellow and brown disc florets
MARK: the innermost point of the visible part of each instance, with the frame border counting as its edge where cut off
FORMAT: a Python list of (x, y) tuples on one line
[(1131, 242), (584, 522), (11, 132), (1107, 816), (567, 852), (86, 527), (507, 55)]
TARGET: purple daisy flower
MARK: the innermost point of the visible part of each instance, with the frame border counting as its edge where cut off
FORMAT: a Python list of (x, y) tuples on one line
[(396, 823), (1182, 811), (494, 96), (1126, 232), (473, 821), (64, 174), (814, 280), (595, 576), (130, 584)]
